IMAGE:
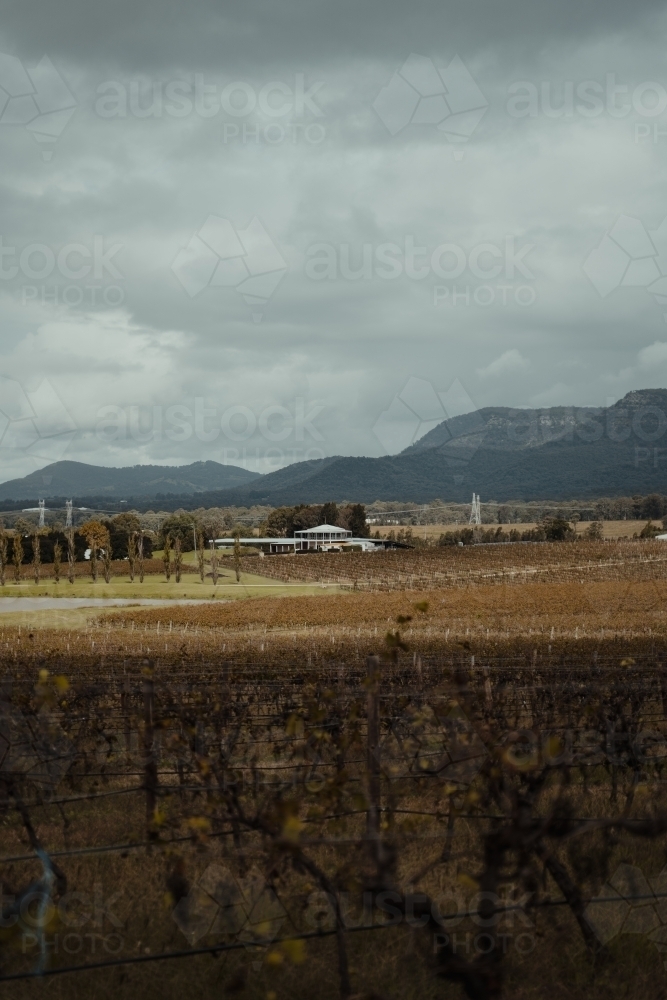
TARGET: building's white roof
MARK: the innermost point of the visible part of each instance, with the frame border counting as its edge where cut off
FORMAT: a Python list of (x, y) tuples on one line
[(324, 528), (255, 541)]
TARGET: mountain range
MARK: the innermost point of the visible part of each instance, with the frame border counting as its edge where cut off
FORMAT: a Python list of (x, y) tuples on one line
[(553, 453), (66, 479)]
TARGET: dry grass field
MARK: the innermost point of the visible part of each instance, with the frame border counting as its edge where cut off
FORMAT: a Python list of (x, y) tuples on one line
[(221, 799)]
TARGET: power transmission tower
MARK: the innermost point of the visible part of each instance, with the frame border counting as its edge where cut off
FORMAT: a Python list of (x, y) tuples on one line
[(41, 512), (475, 510), (68, 508)]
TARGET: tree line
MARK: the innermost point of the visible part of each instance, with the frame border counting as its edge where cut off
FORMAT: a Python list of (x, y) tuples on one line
[(283, 522)]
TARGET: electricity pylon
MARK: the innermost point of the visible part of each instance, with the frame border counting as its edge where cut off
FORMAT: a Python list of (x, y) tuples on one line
[(475, 510)]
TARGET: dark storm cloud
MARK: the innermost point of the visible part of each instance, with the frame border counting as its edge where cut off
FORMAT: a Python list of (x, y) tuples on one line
[(372, 238), (162, 33)]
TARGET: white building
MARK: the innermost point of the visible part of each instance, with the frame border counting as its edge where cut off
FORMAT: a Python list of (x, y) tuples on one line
[(324, 536)]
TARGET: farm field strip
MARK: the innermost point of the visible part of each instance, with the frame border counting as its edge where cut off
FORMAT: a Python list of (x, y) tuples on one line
[(345, 625), (454, 565)]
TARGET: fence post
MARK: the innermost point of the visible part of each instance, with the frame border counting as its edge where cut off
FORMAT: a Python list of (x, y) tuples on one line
[(150, 763), (125, 712), (663, 687), (488, 689), (373, 747), (5, 723)]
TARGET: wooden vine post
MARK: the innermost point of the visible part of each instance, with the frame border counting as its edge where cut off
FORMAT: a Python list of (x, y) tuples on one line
[(5, 722), (150, 762), (373, 747)]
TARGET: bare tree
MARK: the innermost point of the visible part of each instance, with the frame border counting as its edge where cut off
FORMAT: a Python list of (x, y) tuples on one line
[(237, 555), (214, 563), (36, 555), (17, 555), (107, 561), (178, 558), (97, 537), (200, 553), (93, 559), (57, 558), (166, 556), (140, 555), (132, 553), (71, 555), (3, 555)]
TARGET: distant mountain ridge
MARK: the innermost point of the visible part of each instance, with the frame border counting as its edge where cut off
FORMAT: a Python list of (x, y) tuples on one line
[(64, 479), (554, 453), (505, 429)]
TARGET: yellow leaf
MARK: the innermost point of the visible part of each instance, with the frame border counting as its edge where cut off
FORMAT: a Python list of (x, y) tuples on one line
[(292, 828), (294, 725), (199, 823), (43, 676), (554, 747), (467, 881), (295, 951), (275, 958), (61, 683)]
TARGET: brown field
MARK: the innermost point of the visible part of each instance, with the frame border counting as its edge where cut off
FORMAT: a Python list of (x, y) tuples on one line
[(618, 607), (473, 564), (223, 753)]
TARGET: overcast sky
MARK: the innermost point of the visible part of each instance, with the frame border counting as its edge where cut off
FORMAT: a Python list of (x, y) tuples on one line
[(292, 229)]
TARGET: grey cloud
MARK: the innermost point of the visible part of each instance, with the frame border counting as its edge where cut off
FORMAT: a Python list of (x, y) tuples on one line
[(158, 33), (557, 182)]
